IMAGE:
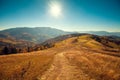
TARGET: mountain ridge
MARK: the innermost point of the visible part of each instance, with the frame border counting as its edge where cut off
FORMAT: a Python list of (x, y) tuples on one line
[(44, 37), (38, 34), (103, 33)]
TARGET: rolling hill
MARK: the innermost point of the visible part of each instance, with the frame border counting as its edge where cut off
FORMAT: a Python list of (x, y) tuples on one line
[(73, 57), (41, 34), (23, 38), (37, 35), (95, 41)]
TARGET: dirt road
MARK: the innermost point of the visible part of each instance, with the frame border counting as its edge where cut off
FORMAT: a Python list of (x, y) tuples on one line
[(64, 63), (61, 69)]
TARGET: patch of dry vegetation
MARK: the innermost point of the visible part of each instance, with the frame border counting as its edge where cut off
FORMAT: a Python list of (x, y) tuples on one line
[(95, 65), (84, 40), (24, 66), (89, 55)]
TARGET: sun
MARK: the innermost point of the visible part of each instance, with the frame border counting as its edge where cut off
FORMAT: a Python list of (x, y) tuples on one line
[(55, 10)]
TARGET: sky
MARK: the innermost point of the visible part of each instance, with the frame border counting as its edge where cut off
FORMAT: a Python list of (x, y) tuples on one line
[(68, 15)]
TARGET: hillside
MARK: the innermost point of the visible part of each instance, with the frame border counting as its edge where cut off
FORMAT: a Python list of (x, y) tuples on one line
[(77, 57), (25, 38), (21, 39), (103, 33), (91, 41), (38, 34), (10, 43), (41, 34)]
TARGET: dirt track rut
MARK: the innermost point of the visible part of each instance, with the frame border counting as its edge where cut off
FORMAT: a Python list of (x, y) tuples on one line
[(61, 69)]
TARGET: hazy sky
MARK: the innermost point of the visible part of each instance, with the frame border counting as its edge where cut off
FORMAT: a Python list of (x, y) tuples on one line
[(68, 15)]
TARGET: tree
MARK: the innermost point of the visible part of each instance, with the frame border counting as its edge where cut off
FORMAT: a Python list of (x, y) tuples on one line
[(28, 49), (5, 50), (13, 50)]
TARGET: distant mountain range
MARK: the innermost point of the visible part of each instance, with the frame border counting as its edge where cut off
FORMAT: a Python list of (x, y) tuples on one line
[(25, 36), (36, 35), (103, 33), (41, 34), (39, 38)]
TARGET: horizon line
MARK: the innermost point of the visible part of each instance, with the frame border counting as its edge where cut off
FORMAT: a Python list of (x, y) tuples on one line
[(1, 29)]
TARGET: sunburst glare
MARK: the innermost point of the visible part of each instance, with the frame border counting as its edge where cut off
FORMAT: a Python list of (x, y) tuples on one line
[(55, 9)]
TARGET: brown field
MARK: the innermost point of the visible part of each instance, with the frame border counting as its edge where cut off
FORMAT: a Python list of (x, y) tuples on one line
[(68, 60)]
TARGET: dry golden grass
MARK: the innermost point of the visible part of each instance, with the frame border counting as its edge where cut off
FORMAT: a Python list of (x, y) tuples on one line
[(96, 65), (89, 42), (77, 58), (84, 40), (87, 54), (24, 66)]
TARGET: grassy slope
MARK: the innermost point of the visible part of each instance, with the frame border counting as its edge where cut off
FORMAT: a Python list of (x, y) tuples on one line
[(88, 55), (24, 66), (78, 50), (96, 65)]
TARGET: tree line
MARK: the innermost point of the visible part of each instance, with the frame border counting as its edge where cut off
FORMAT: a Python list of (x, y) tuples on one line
[(15, 50)]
